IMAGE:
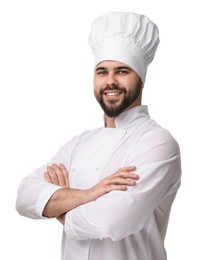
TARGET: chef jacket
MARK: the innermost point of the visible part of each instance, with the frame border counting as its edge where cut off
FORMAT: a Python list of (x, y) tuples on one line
[(121, 225)]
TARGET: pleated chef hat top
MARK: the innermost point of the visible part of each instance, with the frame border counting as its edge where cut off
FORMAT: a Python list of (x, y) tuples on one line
[(126, 37)]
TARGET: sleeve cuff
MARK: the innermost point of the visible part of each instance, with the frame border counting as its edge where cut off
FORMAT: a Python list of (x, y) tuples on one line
[(44, 198), (68, 227)]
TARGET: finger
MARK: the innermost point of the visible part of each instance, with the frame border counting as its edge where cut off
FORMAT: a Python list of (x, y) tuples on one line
[(125, 175), (128, 168), (60, 175), (47, 177), (128, 175), (116, 187), (121, 181), (65, 172), (125, 169), (135, 176), (53, 175)]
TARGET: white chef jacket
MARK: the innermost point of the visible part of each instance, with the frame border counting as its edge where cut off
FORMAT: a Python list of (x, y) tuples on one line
[(121, 225)]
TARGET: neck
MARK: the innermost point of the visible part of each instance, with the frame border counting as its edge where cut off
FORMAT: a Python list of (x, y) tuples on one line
[(110, 121)]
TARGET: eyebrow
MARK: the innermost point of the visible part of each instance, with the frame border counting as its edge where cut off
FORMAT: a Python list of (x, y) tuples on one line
[(116, 68)]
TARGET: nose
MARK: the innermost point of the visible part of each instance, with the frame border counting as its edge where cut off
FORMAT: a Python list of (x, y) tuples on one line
[(111, 80)]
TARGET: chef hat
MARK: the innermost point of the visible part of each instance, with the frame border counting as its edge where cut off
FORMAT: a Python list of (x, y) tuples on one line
[(126, 37)]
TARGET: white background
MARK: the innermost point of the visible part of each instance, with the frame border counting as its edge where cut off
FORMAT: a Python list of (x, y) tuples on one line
[(46, 98)]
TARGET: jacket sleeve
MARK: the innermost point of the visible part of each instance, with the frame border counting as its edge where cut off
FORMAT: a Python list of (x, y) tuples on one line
[(121, 213), (34, 192)]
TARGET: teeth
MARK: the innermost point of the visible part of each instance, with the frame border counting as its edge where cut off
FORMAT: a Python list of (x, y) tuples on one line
[(112, 94)]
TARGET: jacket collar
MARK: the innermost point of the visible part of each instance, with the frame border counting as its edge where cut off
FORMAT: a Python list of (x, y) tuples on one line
[(132, 117)]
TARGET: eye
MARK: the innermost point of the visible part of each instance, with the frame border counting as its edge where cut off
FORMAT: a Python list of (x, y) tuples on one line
[(123, 72), (101, 72)]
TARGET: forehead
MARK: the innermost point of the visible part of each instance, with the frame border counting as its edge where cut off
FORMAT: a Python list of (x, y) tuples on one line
[(110, 64)]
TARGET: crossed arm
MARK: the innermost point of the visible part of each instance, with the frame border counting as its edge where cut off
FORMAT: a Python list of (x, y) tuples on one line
[(66, 199)]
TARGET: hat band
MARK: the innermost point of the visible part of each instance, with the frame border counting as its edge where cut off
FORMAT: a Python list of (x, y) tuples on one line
[(127, 54)]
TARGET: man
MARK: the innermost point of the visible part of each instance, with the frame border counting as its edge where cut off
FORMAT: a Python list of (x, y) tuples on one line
[(112, 188)]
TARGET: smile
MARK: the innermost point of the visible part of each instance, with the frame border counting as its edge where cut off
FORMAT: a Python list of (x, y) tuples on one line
[(112, 94)]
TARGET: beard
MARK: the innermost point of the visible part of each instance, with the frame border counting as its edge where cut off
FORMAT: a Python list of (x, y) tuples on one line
[(113, 108)]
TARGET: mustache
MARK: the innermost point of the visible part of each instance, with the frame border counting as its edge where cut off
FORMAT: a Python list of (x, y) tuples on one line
[(113, 87)]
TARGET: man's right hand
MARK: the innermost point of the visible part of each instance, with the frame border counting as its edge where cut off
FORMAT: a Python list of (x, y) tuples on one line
[(120, 180)]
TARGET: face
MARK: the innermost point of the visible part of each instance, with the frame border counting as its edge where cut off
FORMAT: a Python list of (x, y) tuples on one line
[(116, 87)]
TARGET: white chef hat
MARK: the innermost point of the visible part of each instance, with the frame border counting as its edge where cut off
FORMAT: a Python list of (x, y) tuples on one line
[(126, 37)]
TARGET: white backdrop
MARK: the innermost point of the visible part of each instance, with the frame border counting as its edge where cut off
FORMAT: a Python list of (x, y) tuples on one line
[(46, 98)]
